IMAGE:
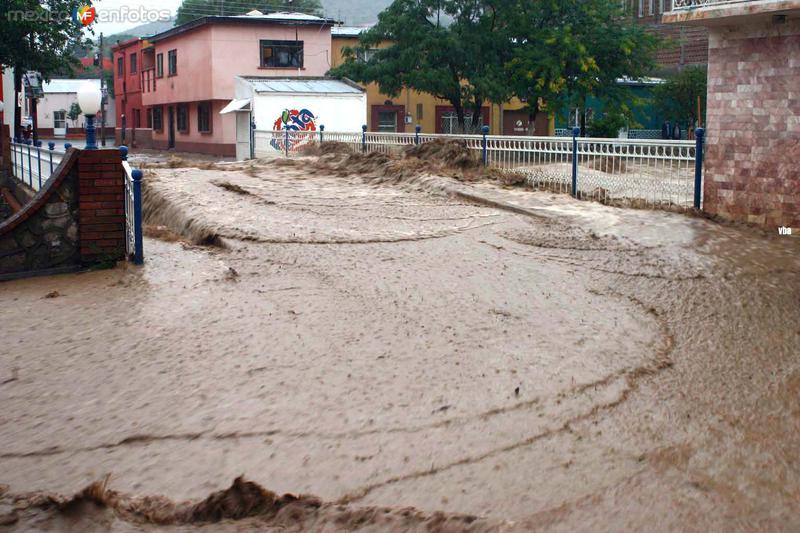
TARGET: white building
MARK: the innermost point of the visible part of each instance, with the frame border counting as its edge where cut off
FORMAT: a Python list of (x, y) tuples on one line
[(294, 104), (53, 108)]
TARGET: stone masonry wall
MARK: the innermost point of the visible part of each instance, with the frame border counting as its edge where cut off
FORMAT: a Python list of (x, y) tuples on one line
[(753, 123), (77, 218)]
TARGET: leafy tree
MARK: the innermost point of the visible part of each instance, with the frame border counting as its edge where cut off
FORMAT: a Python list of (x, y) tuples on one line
[(676, 99), (566, 50), (39, 35), (74, 112), (193, 9), (452, 49)]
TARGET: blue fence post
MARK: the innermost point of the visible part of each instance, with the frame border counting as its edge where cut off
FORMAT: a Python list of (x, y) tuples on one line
[(575, 133), (123, 152), (485, 131), (67, 146), (286, 141), (138, 254), (30, 163), (321, 133), (417, 129), (38, 145), (364, 138), (52, 146), (699, 135)]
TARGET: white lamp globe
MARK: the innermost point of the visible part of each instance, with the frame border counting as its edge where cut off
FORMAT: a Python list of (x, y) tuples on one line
[(89, 97)]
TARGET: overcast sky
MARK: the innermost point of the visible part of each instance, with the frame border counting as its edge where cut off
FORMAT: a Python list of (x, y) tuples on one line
[(114, 16)]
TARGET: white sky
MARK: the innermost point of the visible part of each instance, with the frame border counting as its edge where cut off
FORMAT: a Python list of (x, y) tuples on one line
[(114, 16)]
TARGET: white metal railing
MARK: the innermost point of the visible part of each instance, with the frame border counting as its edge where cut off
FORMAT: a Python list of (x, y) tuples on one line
[(133, 210), (32, 164), (638, 171), (678, 5)]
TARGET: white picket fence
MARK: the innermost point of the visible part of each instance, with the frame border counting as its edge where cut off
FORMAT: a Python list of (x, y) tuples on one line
[(633, 171)]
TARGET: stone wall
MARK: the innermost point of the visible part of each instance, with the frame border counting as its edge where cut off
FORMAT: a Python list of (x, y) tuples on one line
[(753, 123), (76, 220)]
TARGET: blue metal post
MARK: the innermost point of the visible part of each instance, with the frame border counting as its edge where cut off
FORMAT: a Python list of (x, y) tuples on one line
[(417, 129), (321, 133), (67, 146), (52, 146), (699, 135), (91, 142), (575, 133), (38, 145), (286, 141), (364, 138), (123, 152), (138, 254), (485, 131), (30, 163)]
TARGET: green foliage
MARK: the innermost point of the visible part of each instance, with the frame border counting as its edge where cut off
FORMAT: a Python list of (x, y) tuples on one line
[(193, 9), (74, 112), (452, 49), (30, 39), (676, 99), (611, 122)]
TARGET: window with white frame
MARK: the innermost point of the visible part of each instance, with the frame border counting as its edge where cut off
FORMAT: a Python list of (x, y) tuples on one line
[(641, 8)]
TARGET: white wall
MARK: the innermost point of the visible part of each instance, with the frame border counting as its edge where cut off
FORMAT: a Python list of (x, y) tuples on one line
[(339, 112), (8, 97)]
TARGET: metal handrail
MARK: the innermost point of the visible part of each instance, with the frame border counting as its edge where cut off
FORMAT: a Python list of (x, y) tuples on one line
[(33, 164)]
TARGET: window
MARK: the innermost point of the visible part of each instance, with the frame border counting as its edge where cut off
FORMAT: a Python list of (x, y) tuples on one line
[(364, 55), (387, 121), (157, 118), (120, 67), (172, 63), (204, 117), (59, 120), (641, 8), (450, 123), (137, 118), (279, 54), (133, 63), (183, 118), (159, 65), (419, 112)]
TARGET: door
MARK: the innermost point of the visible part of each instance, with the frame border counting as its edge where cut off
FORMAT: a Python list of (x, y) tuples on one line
[(60, 123), (244, 140), (170, 127), (388, 118)]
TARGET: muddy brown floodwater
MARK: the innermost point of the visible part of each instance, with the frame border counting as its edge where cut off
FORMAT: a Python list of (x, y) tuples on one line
[(422, 355)]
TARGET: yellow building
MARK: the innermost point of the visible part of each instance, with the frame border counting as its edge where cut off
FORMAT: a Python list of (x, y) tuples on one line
[(409, 108)]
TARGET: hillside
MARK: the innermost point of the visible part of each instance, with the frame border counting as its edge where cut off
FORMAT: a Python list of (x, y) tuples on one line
[(351, 12)]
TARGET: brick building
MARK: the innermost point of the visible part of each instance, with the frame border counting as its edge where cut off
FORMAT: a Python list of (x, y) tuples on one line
[(753, 121), (132, 122), (686, 44)]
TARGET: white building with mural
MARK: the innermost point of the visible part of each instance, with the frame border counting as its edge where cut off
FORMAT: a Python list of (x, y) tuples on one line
[(294, 104)]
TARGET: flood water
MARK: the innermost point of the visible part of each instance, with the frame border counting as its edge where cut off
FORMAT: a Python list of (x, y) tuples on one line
[(520, 357)]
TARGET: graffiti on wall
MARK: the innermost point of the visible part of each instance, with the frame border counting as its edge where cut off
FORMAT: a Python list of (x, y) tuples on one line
[(298, 126)]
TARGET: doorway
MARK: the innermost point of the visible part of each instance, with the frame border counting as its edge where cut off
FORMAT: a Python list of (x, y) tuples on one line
[(388, 118), (170, 127)]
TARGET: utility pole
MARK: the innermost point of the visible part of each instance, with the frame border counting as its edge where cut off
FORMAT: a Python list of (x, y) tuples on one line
[(104, 93)]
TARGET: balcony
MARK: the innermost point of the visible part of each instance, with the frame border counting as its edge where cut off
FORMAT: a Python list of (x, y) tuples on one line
[(726, 12), (148, 80)]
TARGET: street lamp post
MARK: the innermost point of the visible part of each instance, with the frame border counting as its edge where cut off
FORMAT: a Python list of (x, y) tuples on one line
[(89, 98)]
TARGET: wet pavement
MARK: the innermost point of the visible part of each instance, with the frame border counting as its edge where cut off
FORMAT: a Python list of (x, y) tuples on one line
[(538, 362)]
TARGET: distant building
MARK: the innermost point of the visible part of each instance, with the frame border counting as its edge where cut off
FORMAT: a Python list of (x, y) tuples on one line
[(53, 109), (132, 123), (686, 44)]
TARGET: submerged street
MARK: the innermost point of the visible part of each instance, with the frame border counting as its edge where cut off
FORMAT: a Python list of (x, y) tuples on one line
[(535, 361)]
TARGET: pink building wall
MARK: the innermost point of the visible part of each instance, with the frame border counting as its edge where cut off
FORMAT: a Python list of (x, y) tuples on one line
[(208, 60)]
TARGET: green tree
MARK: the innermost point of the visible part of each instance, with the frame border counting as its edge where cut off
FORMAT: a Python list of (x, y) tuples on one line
[(566, 50), (676, 98), (74, 112), (39, 35), (452, 49), (193, 9)]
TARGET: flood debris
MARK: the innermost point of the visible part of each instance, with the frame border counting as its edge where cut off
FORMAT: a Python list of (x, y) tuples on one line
[(245, 505)]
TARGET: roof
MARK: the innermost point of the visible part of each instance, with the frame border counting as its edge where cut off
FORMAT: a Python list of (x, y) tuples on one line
[(254, 17), (348, 31), (303, 85), (66, 86)]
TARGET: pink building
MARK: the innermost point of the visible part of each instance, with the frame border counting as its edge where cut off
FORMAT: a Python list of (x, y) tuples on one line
[(188, 72)]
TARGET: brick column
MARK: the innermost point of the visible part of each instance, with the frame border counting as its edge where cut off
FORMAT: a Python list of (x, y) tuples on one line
[(101, 194)]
